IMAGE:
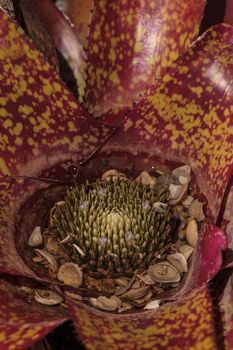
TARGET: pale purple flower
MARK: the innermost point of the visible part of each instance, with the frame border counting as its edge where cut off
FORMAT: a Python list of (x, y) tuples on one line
[(83, 205), (146, 205)]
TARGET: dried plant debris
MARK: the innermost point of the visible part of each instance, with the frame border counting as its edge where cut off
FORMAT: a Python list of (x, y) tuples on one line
[(119, 243)]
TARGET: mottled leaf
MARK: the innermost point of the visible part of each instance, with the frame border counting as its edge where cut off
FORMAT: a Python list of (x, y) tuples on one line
[(133, 43), (185, 324), (41, 122), (42, 127), (129, 46), (37, 31), (22, 320), (186, 117)]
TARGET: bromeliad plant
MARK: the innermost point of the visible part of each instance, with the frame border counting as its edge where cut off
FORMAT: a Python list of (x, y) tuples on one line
[(47, 140)]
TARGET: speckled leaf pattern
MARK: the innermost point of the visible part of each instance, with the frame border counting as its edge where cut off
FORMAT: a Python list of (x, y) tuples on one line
[(186, 117), (39, 114), (186, 324), (23, 322), (131, 44), (183, 118), (37, 31)]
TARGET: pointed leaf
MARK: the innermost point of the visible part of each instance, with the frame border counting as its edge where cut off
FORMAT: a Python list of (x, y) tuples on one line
[(42, 127), (186, 117), (37, 31), (42, 123), (46, 23), (79, 14), (133, 43), (184, 324), (22, 320)]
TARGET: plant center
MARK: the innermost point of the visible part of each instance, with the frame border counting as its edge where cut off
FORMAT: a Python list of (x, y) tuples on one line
[(113, 226)]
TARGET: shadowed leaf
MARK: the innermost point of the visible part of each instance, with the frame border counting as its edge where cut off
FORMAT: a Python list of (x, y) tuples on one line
[(48, 26), (184, 324), (23, 322), (42, 123)]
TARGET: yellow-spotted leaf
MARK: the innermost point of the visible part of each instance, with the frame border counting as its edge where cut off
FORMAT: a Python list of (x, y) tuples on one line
[(131, 44), (41, 122), (23, 321), (187, 116), (185, 324)]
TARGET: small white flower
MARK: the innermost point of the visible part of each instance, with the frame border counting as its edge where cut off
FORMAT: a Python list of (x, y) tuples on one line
[(83, 205), (129, 236), (102, 191), (146, 205), (103, 241), (160, 207)]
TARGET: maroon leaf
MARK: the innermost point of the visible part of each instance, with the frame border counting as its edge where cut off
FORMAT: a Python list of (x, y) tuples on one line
[(229, 12), (186, 117), (42, 123), (49, 26), (133, 43), (185, 324), (129, 46), (23, 322), (42, 126)]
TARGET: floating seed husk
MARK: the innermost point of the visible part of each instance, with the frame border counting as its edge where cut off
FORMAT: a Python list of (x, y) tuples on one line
[(146, 278), (113, 175), (186, 250), (146, 179), (114, 225), (154, 304), (184, 171), (121, 281), (164, 272), (109, 304), (70, 274), (47, 297), (52, 245), (123, 289), (48, 257), (178, 261), (134, 294), (36, 237), (196, 210), (192, 233)]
